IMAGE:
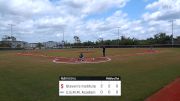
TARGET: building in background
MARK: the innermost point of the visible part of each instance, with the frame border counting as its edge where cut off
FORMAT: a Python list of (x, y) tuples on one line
[(10, 41), (52, 44), (32, 45)]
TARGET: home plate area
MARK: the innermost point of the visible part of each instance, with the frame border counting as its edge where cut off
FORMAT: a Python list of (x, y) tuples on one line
[(79, 61)]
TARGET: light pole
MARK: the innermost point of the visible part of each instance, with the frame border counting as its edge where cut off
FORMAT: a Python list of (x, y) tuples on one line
[(63, 42), (172, 40), (11, 25), (118, 36)]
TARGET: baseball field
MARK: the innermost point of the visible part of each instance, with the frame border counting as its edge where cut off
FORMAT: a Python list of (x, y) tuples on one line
[(32, 75)]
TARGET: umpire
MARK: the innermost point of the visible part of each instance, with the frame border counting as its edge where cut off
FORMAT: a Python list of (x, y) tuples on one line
[(104, 51)]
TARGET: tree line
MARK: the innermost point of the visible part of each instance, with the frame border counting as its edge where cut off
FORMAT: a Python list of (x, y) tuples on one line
[(160, 38)]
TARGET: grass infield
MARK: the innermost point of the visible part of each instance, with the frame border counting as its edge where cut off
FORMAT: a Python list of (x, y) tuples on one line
[(34, 78)]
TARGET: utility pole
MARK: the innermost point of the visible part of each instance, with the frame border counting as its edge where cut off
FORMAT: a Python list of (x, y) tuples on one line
[(11, 25)]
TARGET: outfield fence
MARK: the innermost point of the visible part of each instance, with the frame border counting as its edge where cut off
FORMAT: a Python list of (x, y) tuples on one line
[(7, 48), (131, 46), (109, 46)]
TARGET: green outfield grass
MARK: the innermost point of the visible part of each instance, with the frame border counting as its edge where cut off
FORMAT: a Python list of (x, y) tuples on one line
[(24, 78)]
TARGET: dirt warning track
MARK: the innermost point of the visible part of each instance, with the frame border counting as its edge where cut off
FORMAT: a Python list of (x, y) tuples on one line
[(170, 92)]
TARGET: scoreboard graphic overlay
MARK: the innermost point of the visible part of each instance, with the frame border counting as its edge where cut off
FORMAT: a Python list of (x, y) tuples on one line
[(89, 86)]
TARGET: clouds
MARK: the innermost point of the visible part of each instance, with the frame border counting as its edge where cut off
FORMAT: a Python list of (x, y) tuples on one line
[(25, 8), (37, 17), (160, 12), (92, 6), (163, 10), (46, 19)]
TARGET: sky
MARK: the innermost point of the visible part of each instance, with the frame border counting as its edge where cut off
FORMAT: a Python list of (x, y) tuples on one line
[(47, 20)]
